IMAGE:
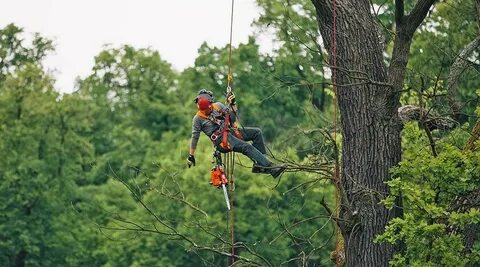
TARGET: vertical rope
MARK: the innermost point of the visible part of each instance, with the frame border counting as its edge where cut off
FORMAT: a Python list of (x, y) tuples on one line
[(231, 191), (230, 75), (231, 155), (336, 177)]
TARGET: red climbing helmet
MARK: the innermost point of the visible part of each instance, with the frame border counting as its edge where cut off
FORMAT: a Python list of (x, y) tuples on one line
[(204, 100), (204, 93), (204, 104)]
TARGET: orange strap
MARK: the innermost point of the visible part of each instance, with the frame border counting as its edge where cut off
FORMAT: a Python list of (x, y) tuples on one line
[(224, 144), (237, 132), (201, 114)]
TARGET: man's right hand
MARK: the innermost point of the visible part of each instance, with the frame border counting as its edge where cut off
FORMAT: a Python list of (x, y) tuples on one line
[(231, 99), (191, 160)]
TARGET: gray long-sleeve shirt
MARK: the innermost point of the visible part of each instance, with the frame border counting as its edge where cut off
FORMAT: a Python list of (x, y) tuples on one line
[(209, 125)]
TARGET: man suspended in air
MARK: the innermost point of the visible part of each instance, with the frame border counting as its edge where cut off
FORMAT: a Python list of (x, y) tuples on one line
[(212, 118)]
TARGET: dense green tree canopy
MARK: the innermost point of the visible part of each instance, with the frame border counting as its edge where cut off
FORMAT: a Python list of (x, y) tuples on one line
[(98, 177)]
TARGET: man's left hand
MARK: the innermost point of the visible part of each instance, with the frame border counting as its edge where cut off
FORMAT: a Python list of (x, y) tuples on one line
[(191, 160)]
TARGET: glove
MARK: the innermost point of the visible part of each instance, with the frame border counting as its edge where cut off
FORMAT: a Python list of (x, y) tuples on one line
[(231, 99), (191, 160)]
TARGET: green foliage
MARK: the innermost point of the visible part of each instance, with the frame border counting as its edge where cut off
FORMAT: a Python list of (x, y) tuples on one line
[(69, 160), (136, 86), (298, 65), (45, 155), (42, 156), (255, 85), (452, 25), (429, 187), (15, 54)]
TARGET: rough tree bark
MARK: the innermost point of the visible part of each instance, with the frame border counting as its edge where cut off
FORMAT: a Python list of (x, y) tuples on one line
[(368, 97)]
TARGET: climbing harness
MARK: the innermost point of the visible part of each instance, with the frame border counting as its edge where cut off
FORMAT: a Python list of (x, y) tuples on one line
[(218, 177), (224, 125)]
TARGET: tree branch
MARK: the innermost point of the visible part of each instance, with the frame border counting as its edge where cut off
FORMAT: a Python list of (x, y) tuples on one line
[(418, 14), (477, 4), (458, 67), (399, 11)]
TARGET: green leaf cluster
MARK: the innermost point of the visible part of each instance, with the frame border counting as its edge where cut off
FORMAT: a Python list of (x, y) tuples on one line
[(434, 217)]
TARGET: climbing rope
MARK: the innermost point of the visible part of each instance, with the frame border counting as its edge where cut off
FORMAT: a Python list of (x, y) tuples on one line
[(230, 157), (336, 178), (230, 161), (229, 74)]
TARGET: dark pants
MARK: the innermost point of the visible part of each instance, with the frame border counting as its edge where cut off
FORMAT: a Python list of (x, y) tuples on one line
[(255, 151)]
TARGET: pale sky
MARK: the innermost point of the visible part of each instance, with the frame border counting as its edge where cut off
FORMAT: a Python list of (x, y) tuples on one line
[(80, 28)]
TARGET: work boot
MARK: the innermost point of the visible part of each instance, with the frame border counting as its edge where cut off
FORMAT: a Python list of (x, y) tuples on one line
[(276, 171), (259, 168)]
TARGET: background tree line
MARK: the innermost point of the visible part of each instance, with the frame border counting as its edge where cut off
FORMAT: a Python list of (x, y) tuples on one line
[(97, 177)]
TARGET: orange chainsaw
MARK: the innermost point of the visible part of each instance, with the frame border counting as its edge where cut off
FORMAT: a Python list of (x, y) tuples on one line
[(218, 177)]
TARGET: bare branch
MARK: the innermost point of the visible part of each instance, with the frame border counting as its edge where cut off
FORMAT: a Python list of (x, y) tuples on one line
[(242, 245), (167, 229), (314, 181), (294, 225), (182, 200)]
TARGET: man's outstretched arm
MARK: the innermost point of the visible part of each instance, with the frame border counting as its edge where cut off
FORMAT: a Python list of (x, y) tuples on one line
[(196, 129)]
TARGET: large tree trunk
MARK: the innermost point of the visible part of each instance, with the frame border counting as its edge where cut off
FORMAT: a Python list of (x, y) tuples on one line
[(368, 99), (370, 128)]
